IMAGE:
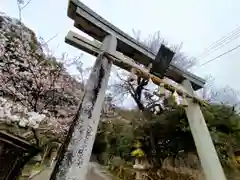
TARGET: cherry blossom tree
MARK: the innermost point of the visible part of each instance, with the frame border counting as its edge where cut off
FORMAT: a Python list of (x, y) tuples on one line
[(34, 79), (36, 82)]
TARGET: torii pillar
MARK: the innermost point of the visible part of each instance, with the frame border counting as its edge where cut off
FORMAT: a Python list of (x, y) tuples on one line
[(205, 148), (76, 151)]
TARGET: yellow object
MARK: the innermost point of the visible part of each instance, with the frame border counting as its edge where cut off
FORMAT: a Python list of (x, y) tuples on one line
[(138, 153), (137, 144)]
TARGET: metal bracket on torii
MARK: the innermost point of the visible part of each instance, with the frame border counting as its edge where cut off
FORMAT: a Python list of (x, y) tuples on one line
[(111, 45)]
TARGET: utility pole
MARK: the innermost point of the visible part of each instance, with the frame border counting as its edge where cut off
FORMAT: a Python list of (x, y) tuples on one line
[(72, 163)]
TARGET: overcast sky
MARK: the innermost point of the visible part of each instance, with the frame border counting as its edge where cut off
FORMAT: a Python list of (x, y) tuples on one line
[(195, 23)]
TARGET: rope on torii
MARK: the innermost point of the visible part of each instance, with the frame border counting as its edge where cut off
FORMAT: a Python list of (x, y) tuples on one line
[(163, 83), (93, 47)]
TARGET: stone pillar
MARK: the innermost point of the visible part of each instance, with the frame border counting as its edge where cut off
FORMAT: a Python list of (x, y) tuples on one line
[(138, 174), (76, 151), (141, 165), (206, 151)]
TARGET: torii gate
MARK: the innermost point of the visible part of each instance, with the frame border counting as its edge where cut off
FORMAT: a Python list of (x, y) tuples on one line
[(122, 50)]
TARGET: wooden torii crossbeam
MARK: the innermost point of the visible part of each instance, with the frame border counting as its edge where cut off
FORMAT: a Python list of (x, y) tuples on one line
[(116, 47)]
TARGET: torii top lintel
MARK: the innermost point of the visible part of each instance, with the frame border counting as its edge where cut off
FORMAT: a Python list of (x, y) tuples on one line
[(94, 25)]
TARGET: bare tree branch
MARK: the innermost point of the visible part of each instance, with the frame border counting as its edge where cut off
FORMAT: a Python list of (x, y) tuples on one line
[(154, 41), (36, 137), (26, 4)]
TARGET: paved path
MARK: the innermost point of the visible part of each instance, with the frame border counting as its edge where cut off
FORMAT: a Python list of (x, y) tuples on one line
[(98, 172), (95, 172), (44, 175)]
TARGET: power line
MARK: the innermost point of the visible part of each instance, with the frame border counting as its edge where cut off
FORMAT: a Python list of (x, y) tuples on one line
[(214, 44), (225, 42), (221, 42), (224, 37), (220, 55)]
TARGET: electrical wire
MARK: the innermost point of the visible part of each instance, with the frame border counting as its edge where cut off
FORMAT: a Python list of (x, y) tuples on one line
[(221, 42), (220, 55)]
